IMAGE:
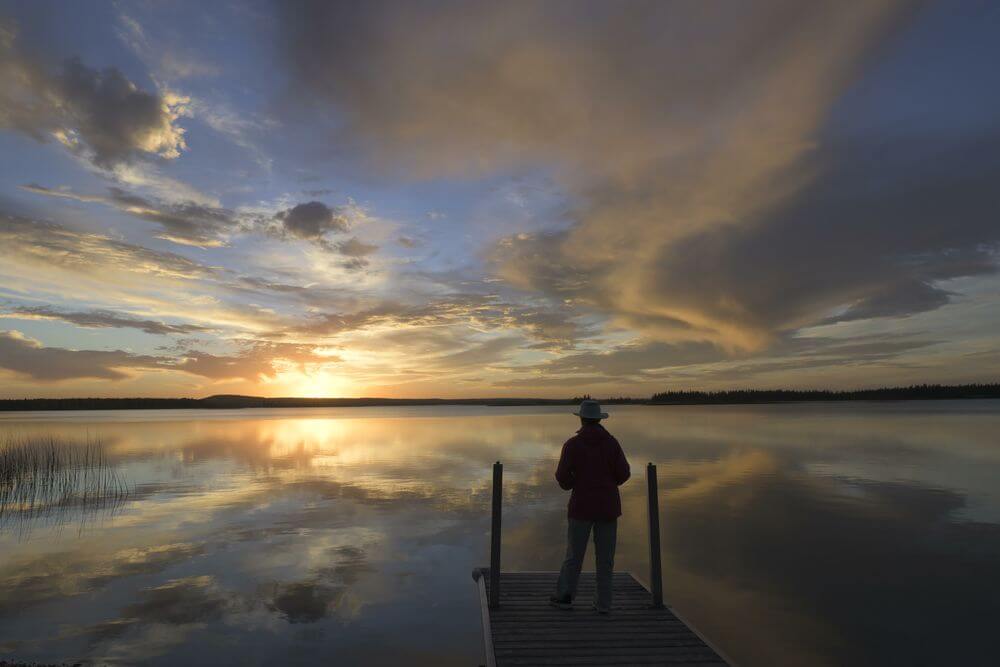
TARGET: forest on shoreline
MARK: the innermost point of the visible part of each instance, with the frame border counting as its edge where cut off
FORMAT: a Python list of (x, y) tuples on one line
[(725, 397)]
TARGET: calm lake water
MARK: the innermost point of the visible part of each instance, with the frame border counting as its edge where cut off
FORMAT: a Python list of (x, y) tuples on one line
[(856, 533)]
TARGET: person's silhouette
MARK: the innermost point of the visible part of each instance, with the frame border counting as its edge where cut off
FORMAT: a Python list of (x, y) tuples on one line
[(593, 466)]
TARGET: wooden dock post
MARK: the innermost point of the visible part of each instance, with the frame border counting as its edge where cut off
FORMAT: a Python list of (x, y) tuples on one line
[(655, 570), (495, 536)]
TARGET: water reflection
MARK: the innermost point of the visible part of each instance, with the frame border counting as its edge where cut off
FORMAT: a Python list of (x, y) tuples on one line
[(49, 480), (792, 534)]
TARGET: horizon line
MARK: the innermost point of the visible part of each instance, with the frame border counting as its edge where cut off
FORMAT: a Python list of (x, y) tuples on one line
[(621, 397)]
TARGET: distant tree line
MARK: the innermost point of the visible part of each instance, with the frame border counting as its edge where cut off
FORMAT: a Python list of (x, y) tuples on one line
[(230, 402), (915, 392), (100, 404), (611, 400)]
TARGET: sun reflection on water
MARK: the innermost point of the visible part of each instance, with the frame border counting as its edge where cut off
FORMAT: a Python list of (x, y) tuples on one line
[(268, 535)]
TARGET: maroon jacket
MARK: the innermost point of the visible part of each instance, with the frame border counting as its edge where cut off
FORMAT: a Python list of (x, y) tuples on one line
[(593, 465)]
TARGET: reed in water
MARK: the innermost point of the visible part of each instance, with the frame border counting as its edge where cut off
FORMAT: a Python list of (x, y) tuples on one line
[(47, 476)]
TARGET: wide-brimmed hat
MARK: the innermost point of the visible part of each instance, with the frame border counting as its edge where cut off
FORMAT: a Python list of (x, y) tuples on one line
[(590, 410)]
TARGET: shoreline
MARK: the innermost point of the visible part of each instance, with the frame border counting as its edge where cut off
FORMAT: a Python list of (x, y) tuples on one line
[(732, 397)]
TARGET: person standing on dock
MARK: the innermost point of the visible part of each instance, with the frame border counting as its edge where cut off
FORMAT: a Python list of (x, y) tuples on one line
[(592, 465)]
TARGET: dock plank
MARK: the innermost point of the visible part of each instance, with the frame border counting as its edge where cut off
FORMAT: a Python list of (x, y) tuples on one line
[(524, 630)]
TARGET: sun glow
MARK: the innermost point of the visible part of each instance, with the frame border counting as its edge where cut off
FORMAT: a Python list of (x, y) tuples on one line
[(315, 384)]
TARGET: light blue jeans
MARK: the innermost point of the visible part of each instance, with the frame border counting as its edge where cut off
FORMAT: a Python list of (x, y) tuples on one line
[(577, 536)]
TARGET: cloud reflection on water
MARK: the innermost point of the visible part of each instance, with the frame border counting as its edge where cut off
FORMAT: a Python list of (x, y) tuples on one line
[(824, 534)]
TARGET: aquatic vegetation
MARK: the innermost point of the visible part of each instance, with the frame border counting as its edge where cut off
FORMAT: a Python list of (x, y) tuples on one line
[(45, 477)]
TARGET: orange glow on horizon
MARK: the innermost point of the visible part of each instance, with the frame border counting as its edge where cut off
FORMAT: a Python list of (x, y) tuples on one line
[(316, 384)]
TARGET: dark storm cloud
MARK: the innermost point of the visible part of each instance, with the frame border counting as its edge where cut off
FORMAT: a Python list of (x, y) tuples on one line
[(100, 319), (312, 220), (100, 114), (711, 201)]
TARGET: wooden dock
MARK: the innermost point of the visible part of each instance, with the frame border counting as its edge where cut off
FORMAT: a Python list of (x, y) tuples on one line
[(521, 628), (524, 630)]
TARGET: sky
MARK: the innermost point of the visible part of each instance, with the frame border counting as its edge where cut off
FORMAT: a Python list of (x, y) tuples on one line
[(470, 199)]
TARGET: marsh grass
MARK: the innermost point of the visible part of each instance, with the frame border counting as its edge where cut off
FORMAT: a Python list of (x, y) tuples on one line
[(45, 477)]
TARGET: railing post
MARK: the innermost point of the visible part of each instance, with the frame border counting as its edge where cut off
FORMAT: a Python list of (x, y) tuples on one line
[(655, 571), (495, 536)]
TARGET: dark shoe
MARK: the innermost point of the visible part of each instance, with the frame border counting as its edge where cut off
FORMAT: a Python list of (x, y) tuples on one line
[(565, 602), (599, 610)]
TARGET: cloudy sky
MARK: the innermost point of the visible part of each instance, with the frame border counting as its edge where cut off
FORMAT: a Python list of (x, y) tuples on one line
[(496, 199)]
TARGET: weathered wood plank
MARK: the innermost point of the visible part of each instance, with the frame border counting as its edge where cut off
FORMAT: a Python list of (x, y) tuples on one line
[(607, 650), (609, 658), (484, 609), (632, 643), (525, 630), (597, 634)]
